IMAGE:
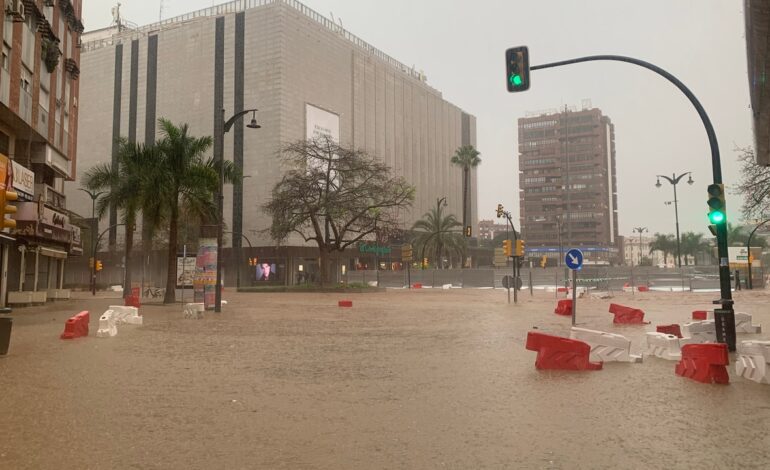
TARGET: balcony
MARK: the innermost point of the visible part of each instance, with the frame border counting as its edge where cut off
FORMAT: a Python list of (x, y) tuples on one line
[(51, 197), (25, 105), (5, 87)]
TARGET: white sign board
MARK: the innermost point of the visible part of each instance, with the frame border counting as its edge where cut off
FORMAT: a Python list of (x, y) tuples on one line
[(740, 255), (319, 122), (23, 181), (185, 270)]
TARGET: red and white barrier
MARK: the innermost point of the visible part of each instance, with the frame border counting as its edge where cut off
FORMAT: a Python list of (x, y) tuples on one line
[(706, 363), (555, 352), (605, 347), (77, 326), (704, 331), (664, 346), (753, 362), (107, 326)]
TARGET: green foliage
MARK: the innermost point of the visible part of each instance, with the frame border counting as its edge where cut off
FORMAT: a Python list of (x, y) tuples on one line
[(436, 233), (466, 157), (753, 186), (665, 243), (739, 236)]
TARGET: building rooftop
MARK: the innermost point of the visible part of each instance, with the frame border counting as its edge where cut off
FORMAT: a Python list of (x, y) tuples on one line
[(113, 35)]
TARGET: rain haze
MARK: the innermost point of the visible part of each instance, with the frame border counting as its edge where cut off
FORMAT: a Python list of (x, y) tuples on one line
[(460, 46)]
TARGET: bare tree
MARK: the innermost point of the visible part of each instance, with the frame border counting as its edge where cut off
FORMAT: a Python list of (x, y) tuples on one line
[(335, 197), (754, 185)]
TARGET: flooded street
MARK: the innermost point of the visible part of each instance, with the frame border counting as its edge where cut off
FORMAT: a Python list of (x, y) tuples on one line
[(420, 379)]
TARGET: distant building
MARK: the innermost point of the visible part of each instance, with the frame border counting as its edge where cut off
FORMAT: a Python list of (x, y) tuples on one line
[(568, 184), (634, 246), (488, 229), (757, 13), (39, 85)]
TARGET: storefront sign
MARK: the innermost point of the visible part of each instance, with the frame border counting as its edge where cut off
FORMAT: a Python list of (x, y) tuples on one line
[(34, 219), (374, 249), (23, 182)]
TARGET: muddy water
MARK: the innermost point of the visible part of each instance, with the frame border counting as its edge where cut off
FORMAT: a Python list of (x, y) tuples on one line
[(418, 379)]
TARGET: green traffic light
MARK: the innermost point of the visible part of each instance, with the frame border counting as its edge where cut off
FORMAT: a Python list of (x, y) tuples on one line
[(717, 217), (516, 80)]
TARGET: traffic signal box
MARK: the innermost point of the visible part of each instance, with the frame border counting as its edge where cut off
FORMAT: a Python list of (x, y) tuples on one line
[(468, 231), (507, 248), (517, 68), (499, 210), (520, 248), (717, 206), (99, 266)]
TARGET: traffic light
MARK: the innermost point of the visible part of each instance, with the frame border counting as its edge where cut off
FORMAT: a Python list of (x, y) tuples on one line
[(520, 248), (468, 231), (543, 261), (716, 202), (507, 248), (99, 266), (5, 208), (425, 262), (499, 210), (91, 263), (517, 68)]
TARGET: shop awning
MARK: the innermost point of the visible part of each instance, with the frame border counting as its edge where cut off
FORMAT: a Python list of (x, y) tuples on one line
[(53, 252)]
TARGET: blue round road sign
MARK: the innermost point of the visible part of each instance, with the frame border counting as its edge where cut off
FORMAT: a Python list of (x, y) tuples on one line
[(574, 259)]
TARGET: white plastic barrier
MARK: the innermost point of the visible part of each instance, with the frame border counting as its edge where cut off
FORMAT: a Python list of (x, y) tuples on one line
[(704, 331), (194, 311), (754, 361), (446, 286), (664, 346), (107, 327), (743, 324), (605, 347), (128, 315)]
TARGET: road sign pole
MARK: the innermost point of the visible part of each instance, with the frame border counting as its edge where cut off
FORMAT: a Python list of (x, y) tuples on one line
[(515, 281), (574, 295)]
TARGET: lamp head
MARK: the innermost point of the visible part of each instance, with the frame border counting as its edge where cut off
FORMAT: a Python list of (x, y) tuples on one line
[(253, 124)]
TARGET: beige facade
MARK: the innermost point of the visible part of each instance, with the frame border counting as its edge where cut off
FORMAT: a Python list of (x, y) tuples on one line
[(293, 58)]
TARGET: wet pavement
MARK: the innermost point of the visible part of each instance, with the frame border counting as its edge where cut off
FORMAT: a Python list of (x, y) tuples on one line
[(420, 379)]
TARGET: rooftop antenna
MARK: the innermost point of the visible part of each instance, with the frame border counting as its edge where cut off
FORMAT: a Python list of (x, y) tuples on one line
[(160, 14), (116, 16)]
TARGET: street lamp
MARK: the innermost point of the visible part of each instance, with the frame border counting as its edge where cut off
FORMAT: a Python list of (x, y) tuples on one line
[(640, 230), (220, 159), (94, 228), (674, 180)]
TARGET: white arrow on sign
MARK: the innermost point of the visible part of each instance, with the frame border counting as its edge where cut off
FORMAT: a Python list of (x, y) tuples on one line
[(574, 259)]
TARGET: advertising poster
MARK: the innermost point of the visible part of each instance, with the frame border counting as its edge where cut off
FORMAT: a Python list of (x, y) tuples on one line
[(206, 273), (185, 271)]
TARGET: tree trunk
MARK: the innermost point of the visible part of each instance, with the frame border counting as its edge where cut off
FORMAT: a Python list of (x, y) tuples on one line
[(324, 266), (170, 297), (466, 181), (127, 255)]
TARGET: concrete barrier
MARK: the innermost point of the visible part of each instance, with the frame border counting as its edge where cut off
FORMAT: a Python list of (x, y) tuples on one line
[(664, 346), (107, 326), (704, 331), (605, 347), (743, 324), (194, 311), (126, 314), (753, 361)]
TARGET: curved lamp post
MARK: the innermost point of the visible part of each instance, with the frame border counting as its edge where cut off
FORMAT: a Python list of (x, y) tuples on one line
[(219, 149), (674, 180)]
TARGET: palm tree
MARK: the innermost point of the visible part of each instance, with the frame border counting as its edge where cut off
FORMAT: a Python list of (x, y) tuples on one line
[(466, 157), (124, 187), (183, 177), (692, 244), (664, 243), (437, 232)]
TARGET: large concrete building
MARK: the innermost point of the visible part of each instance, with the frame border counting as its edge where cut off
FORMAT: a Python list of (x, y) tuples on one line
[(568, 184), (757, 13), (304, 73), (38, 144)]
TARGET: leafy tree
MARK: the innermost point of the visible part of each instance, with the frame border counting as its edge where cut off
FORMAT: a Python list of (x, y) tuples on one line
[(335, 196), (665, 243), (125, 187), (466, 157), (437, 232), (754, 184), (739, 236), (183, 177)]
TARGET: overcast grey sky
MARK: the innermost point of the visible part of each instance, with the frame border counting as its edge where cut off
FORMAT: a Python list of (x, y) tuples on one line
[(460, 45)]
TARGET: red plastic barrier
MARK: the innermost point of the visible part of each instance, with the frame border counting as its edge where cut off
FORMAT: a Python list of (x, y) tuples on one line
[(555, 352), (345, 303), (700, 315), (674, 329), (562, 289), (76, 326), (564, 307), (416, 285), (643, 288), (705, 363), (627, 315), (133, 301)]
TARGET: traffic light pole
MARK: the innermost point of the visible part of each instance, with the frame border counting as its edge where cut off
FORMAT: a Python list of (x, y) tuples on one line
[(725, 317)]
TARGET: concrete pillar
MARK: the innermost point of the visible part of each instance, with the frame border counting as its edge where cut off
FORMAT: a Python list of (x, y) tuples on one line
[(4, 277), (49, 276), (22, 267), (61, 273)]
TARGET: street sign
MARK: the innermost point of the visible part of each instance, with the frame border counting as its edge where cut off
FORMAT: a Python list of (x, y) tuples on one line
[(574, 259), (509, 283), (500, 260)]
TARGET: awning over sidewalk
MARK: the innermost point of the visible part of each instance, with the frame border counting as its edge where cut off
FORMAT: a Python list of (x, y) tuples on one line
[(53, 252)]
